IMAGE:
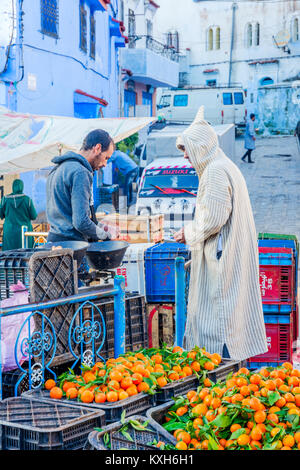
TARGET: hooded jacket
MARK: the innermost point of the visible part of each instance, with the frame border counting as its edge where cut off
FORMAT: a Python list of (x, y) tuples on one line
[(224, 305), (69, 189), (18, 210)]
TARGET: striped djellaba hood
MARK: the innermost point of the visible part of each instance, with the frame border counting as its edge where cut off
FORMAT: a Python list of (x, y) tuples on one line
[(200, 141)]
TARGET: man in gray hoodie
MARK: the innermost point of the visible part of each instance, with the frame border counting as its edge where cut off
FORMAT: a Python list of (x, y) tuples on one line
[(69, 190)]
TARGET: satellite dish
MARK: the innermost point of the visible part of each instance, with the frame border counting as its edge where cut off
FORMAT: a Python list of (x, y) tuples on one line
[(282, 38)]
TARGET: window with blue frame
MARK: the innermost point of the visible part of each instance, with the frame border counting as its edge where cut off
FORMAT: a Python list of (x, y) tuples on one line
[(92, 36), (181, 100), (227, 99), (238, 98), (83, 28), (49, 17)]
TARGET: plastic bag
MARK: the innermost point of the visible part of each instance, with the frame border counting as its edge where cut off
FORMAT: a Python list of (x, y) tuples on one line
[(10, 328)]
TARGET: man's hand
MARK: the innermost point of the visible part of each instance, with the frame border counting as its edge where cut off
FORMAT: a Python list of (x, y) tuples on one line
[(179, 236)]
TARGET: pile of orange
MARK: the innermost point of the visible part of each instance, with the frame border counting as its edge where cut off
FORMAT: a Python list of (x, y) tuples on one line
[(136, 372), (248, 411)]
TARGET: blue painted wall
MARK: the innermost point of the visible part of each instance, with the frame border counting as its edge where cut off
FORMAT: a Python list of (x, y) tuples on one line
[(58, 67)]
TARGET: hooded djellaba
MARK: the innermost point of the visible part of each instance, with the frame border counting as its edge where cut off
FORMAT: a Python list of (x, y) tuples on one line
[(18, 210), (224, 305)]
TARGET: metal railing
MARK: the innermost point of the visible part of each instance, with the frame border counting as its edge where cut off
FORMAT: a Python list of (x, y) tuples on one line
[(155, 46), (38, 346), (181, 284)]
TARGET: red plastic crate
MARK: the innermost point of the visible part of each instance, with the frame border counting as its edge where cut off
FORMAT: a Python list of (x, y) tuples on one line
[(277, 275), (279, 331)]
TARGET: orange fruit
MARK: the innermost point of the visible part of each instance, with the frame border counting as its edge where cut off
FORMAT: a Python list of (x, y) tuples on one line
[(87, 396), (161, 381), (288, 366), (112, 396), (288, 440), (255, 444), (216, 357), (191, 394), (234, 427), (72, 393), (259, 416), (255, 379), (122, 395), (188, 370), (215, 403), (245, 391), (173, 376), (210, 415), (196, 366), (184, 436), (197, 422), (176, 432), (132, 390), (143, 387), (136, 378), (273, 418), (243, 440), (200, 409), (181, 445), (100, 397), (181, 410), (56, 393), (115, 375), (114, 385), (50, 383), (177, 349), (89, 377), (126, 382), (67, 385), (254, 403), (256, 434), (207, 366)]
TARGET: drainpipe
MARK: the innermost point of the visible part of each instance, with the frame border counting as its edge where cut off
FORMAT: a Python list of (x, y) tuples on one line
[(234, 8)]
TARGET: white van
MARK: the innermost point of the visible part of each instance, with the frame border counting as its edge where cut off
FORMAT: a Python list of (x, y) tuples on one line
[(222, 105), (168, 186)]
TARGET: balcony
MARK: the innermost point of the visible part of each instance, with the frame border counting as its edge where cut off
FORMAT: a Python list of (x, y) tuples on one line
[(151, 62)]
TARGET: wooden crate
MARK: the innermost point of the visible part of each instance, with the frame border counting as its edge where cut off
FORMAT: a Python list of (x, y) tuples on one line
[(136, 228), (161, 324)]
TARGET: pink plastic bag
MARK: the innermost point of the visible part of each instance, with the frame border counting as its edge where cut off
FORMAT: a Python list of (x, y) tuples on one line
[(10, 327)]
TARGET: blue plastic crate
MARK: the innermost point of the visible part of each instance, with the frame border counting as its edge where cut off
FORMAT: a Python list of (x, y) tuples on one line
[(277, 308), (277, 319), (160, 270), (276, 259), (260, 365)]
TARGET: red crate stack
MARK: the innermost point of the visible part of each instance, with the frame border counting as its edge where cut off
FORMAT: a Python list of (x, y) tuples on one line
[(279, 331)]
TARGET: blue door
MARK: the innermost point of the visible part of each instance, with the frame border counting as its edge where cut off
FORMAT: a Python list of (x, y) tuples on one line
[(129, 103), (147, 101)]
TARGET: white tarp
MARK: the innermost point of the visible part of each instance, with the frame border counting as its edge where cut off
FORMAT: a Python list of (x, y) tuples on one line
[(29, 142)]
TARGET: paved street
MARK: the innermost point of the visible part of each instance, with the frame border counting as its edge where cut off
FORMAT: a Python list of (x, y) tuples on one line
[(273, 184)]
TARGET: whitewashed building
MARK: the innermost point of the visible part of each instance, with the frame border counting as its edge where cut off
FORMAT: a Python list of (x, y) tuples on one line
[(251, 43), (146, 63)]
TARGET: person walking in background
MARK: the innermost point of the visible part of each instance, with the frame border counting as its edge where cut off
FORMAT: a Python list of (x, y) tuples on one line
[(125, 172), (297, 134), (249, 138), (18, 210)]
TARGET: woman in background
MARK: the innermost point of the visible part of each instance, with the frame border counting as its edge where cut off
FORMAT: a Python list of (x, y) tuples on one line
[(18, 210)]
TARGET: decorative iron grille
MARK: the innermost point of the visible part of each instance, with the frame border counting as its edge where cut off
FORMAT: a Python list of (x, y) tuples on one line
[(49, 17), (92, 37), (83, 29)]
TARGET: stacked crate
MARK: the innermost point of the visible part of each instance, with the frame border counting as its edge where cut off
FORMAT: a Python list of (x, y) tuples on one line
[(278, 266), (160, 290)]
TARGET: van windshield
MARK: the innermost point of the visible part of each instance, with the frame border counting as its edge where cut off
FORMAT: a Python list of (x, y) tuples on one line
[(170, 182)]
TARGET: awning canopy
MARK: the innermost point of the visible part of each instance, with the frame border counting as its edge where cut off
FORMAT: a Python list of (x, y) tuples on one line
[(29, 142)]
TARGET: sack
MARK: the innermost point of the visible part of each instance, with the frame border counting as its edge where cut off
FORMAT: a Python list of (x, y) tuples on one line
[(11, 326)]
